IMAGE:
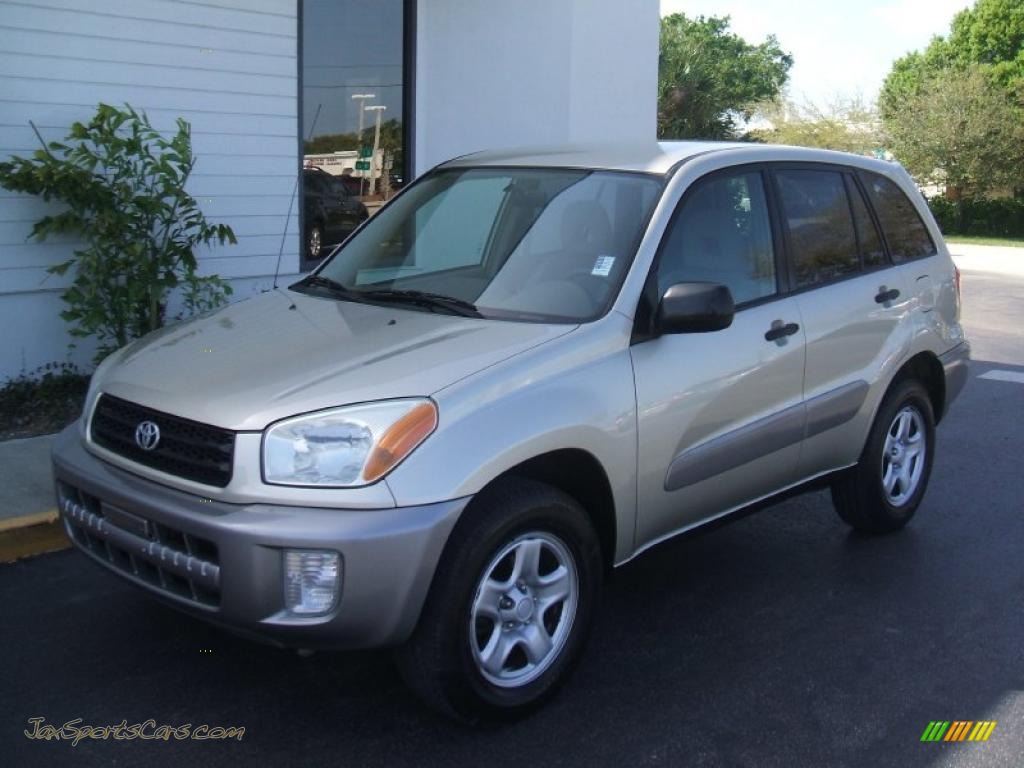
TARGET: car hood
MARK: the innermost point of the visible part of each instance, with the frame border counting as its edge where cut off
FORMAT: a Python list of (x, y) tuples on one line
[(283, 353)]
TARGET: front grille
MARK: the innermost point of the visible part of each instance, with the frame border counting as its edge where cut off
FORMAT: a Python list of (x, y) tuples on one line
[(186, 448), (169, 560)]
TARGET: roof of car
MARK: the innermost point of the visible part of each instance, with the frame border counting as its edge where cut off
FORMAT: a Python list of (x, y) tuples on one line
[(649, 156)]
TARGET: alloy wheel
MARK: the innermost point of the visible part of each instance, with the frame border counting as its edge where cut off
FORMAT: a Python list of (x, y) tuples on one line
[(903, 455), (523, 609)]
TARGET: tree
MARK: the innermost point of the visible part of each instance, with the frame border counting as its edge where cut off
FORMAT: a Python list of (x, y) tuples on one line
[(959, 129), (123, 187), (989, 35), (709, 79), (992, 34), (846, 125)]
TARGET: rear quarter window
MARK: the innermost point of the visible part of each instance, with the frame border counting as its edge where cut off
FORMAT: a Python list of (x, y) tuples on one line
[(904, 230)]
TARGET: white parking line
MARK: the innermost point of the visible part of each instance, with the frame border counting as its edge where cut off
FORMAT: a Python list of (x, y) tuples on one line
[(1015, 376)]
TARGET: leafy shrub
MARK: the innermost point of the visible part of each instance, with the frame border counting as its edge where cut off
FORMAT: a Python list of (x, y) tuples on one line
[(43, 401), (984, 218), (124, 188)]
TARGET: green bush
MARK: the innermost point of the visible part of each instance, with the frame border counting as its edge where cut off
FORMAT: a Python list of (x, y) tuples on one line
[(43, 401), (980, 218), (123, 187)]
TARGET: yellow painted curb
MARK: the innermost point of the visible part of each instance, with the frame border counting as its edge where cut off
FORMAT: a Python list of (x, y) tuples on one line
[(40, 518), (31, 535)]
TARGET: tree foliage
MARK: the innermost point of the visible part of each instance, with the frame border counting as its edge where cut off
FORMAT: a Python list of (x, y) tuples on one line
[(959, 129), (846, 125), (710, 79), (123, 185), (989, 35), (954, 110)]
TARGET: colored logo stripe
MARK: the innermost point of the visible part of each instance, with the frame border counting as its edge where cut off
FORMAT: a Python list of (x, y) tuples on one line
[(982, 730), (958, 730)]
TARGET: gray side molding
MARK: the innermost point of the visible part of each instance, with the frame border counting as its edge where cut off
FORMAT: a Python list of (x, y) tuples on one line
[(728, 451), (767, 435), (834, 408)]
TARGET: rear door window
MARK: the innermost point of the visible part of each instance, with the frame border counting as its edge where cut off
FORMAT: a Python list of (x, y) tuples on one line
[(816, 210), (904, 230), (871, 248)]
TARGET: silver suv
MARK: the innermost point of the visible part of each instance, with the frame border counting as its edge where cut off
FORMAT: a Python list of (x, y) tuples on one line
[(526, 369)]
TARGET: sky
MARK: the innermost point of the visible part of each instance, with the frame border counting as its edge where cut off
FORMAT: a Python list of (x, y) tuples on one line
[(840, 48)]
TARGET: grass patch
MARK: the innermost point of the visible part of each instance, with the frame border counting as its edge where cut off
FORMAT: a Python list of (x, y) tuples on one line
[(1014, 242), (42, 402)]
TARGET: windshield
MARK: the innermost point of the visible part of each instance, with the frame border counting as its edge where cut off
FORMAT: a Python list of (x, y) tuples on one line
[(528, 244)]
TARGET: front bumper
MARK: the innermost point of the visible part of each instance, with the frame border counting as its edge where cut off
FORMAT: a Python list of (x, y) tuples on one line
[(224, 563)]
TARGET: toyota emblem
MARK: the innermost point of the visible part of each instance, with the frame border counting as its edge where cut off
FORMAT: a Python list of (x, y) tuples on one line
[(147, 435)]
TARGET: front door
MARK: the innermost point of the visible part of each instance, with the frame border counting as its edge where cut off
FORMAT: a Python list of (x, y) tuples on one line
[(720, 415)]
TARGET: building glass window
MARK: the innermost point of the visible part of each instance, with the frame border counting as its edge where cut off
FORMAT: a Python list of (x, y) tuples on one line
[(351, 105)]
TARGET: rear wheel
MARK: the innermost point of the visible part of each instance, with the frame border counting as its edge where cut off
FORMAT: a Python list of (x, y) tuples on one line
[(884, 490), (510, 607)]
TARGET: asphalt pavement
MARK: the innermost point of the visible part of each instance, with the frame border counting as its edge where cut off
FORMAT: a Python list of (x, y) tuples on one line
[(783, 639)]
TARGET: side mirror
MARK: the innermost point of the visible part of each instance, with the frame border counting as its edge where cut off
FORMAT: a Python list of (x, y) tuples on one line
[(694, 308)]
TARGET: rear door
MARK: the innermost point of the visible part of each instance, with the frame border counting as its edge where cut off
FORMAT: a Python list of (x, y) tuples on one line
[(854, 304), (720, 417), (909, 243)]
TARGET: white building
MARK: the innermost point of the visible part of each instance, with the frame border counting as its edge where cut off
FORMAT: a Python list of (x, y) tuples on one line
[(256, 77)]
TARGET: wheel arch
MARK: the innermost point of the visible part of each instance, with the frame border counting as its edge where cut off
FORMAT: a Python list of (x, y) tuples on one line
[(925, 368), (579, 474)]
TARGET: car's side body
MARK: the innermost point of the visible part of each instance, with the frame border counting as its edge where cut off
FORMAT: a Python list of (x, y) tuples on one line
[(748, 426), (653, 434)]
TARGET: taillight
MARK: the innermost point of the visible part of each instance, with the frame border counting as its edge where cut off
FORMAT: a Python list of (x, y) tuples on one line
[(956, 282)]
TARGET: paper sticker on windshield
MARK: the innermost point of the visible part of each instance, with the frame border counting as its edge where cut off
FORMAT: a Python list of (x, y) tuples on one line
[(603, 266)]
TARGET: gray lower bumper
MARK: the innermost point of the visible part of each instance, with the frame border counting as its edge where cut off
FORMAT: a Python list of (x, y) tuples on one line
[(954, 365), (223, 562)]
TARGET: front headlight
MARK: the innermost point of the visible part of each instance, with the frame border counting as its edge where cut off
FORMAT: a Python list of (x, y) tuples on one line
[(346, 447)]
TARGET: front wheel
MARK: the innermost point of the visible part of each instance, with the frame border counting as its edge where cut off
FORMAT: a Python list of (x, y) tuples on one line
[(884, 490), (510, 607)]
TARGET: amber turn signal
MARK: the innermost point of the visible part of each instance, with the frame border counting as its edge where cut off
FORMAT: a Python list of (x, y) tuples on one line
[(400, 440)]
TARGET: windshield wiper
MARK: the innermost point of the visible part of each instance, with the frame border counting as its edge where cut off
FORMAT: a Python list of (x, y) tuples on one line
[(319, 281), (424, 299)]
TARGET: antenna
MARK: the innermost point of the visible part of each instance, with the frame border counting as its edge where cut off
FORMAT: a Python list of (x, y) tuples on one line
[(291, 202)]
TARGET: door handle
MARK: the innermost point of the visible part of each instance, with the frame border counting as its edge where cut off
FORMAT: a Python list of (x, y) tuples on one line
[(884, 295), (778, 330)]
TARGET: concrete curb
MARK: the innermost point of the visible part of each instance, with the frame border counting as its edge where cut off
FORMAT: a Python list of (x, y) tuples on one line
[(1002, 260)]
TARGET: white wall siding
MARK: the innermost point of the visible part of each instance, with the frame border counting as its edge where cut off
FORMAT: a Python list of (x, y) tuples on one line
[(493, 74), (59, 58)]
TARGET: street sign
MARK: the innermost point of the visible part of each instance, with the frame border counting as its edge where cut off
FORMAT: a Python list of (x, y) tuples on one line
[(362, 165), (366, 151)]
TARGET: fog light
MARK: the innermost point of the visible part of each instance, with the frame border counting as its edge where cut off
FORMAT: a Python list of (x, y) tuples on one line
[(312, 581)]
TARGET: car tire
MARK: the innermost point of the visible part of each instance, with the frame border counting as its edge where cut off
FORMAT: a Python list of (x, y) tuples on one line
[(314, 242), (494, 641), (882, 492)]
